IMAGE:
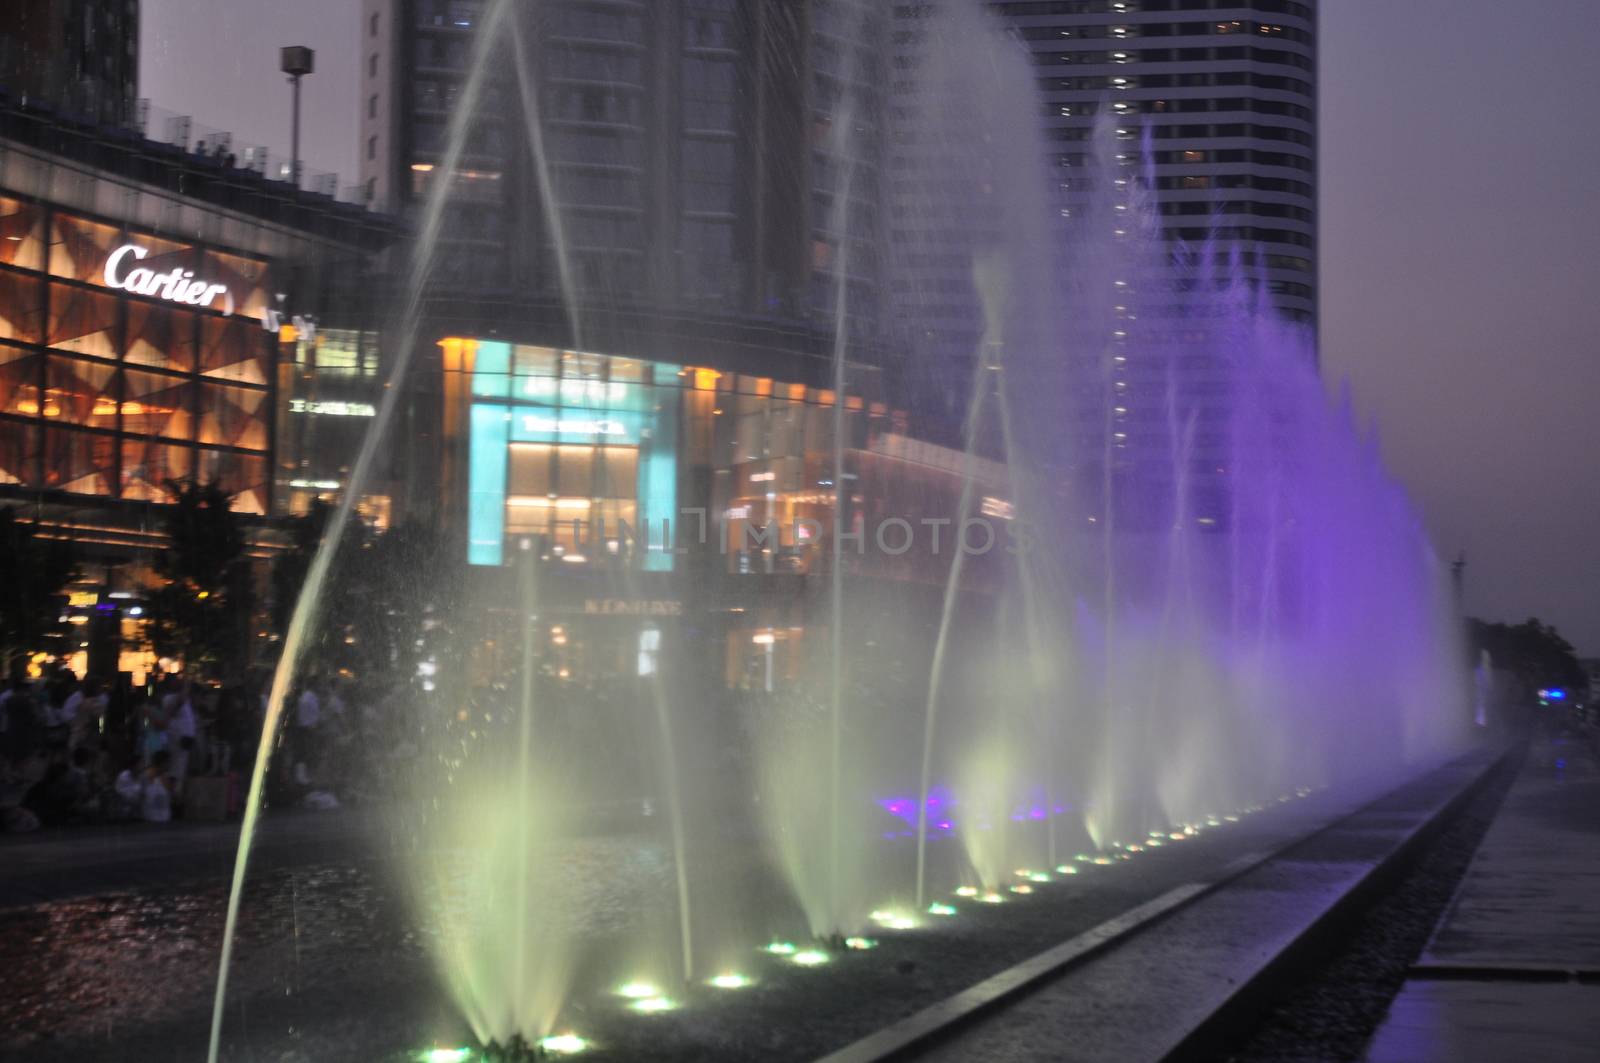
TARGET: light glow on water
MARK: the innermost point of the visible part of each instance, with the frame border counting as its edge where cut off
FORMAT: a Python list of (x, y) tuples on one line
[(651, 1005), (860, 944), (731, 980), (938, 908), (1066, 869), (445, 1055), (810, 958), (781, 948), (563, 1044), (967, 891), (638, 990), (992, 898), (1022, 888), (891, 919)]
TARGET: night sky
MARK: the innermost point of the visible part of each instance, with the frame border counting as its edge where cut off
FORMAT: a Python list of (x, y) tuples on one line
[(1460, 246)]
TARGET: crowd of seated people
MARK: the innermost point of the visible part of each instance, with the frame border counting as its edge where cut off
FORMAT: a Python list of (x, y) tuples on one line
[(84, 751)]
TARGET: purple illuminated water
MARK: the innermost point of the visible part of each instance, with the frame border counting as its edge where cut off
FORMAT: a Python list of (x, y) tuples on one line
[(1221, 596)]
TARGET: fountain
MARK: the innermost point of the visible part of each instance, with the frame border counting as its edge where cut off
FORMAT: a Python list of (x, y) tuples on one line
[(1212, 593)]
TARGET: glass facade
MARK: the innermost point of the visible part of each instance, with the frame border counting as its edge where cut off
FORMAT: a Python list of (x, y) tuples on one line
[(575, 450), (650, 491), (128, 361)]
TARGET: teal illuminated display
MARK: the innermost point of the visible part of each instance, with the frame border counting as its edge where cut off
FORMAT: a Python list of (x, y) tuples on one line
[(530, 402)]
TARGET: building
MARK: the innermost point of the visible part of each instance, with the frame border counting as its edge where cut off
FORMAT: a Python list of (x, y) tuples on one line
[(77, 56), (687, 144), (147, 301), (1227, 92), (678, 514)]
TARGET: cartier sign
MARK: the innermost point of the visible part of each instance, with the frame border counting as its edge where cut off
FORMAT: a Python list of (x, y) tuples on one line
[(176, 285)]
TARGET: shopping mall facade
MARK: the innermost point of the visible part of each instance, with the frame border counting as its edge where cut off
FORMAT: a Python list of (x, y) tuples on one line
[(163, 319), (672, 507), (152, 306)]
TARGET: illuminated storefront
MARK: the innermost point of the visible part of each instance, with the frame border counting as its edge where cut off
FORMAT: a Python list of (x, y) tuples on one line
[(661, 494), (576, 450), (129, 361), (150, 303)]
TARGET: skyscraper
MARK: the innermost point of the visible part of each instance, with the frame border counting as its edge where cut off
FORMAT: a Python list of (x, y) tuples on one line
[(79, 56), (1227, 91), (687, 143)]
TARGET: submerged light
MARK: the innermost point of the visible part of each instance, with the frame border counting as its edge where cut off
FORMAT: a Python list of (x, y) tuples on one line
[(1066, 869), (967, 891), (638, 990), (810, 958), (891, 920), (1022, 887), (860, 944), (1038, 876), (651, 1005), (731, 980), (938, 908), (781, 948), (563, 1044), (992, 898), (446, 1055)]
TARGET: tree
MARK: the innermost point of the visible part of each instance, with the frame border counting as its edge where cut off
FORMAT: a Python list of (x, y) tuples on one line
[(401, 589), (385, 594), (202, 614), (292, 566), (33, 572), (1532, 651)]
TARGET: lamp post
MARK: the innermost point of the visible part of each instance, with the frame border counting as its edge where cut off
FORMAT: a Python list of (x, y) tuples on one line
[(296, 61)]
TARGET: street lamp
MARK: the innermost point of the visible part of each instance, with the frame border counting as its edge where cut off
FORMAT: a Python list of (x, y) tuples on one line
[(296, 61)]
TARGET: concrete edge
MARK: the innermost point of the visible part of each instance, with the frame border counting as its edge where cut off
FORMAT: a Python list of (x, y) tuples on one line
[(1241, 1009), (898, 1038)]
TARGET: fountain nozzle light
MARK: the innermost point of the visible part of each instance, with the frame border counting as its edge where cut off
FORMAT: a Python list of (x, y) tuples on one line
[(519, 1050)]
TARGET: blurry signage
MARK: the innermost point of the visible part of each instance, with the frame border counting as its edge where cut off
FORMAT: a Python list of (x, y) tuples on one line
[(575, 392), (632, 607), (574, 426), (333, 409), (177, 285), (305, 326)]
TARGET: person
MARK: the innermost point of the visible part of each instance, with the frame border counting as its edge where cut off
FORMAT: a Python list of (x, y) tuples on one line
[(87, 717), (154, 738), (121, 718), (72, 703), (19, 722), (65, 793), (144, 794), (307, 718), (181, 731)]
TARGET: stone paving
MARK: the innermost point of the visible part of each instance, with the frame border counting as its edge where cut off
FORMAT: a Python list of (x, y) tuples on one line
[(1513, 970)]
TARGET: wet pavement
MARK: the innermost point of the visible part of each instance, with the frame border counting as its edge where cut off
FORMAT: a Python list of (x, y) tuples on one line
[(1513, 970)]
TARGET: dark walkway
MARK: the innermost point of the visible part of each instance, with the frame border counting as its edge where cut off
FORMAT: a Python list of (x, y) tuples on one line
[(1513, 970), (77, 861)]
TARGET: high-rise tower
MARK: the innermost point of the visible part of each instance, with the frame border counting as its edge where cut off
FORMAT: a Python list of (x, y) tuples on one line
[(77, 56), (688, 144), (1227, 92)]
